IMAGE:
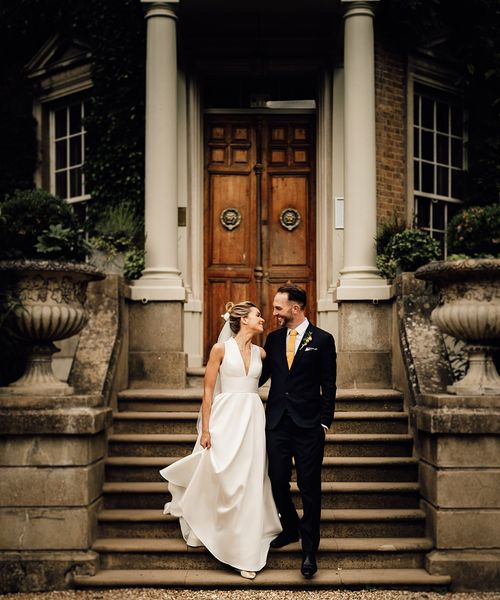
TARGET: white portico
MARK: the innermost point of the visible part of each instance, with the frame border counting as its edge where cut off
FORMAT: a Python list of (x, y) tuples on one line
[(345, 169)]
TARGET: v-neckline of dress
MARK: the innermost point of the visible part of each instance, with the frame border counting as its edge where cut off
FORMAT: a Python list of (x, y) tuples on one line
[(242, 360)]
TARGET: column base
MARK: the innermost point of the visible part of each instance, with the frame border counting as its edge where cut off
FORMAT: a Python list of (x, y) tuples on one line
[(157, 287), (359, 287), (364, 345), (156, 345)]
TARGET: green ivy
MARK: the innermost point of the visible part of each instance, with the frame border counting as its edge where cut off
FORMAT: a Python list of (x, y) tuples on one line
[(115, 124), (116, 33)]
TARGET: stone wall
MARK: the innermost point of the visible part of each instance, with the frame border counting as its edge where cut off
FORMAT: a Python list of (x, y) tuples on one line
[(457, 441), (52, 452)]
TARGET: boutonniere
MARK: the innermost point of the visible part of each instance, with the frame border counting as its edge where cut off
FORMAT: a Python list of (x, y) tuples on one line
[(305, 340)]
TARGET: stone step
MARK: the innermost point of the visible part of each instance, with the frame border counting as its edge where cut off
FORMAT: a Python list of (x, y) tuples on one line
[(145, 468), (267, 578), (185, 422), (334, 495), (150, 444), (143, 523), (189, 399), (338, 553), (194, 376)]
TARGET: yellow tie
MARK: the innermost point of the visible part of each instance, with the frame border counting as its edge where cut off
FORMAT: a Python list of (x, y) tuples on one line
[(290, 347)]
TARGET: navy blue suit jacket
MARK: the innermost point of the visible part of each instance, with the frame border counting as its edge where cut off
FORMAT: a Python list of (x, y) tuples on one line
[(306, 391)]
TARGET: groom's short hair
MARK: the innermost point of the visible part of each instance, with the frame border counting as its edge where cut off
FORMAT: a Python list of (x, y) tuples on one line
[(295, 293)]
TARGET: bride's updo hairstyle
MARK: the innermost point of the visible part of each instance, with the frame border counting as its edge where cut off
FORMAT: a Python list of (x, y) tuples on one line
[(236, 312)]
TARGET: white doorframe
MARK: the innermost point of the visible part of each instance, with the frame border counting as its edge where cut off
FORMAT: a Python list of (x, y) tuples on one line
[(329, 243)]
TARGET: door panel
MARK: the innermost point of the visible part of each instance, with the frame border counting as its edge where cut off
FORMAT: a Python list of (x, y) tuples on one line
[(259, 211), (288, 247), (230, 247)]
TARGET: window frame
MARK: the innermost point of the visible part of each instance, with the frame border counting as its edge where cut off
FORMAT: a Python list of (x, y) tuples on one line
[(431, 80), (65, 104)]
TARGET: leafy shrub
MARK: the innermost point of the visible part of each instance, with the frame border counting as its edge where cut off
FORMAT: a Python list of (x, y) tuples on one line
[(134, 263), (36, 224), (386, 229), (118, 229), (406, 251), (475, 232)]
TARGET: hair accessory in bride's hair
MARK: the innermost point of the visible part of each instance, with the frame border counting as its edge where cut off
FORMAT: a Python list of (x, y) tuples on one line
[(228, 307)]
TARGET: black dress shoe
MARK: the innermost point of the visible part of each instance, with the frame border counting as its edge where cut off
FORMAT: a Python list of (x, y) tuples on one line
[(309, 566), (284, 539)]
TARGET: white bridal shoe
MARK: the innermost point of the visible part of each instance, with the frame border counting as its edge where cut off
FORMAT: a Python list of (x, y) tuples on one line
[(248, 574)]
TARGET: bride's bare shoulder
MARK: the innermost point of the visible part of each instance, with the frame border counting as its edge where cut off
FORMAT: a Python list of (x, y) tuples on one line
[(218, 349)]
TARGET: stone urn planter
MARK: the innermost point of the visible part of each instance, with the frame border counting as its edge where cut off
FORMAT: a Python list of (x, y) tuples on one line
[(49, 305), (469, 309)]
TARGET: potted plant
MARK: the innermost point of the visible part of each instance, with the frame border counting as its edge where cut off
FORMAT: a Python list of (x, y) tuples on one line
[(117, 241), (44, 282), (469, 283)]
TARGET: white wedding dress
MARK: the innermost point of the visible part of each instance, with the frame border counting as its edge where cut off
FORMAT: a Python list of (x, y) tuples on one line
[(222, 495)]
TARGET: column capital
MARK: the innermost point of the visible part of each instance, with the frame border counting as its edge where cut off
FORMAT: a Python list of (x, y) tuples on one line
[(159, 8), (354, 8)]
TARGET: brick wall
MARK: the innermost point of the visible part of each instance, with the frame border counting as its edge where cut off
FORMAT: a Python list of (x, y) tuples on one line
[(390, 98)]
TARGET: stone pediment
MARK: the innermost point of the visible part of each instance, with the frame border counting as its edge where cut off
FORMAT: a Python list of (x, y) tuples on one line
[(58, 54)]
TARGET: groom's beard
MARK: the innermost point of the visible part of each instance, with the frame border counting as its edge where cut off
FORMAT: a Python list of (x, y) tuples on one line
[(284, 320)]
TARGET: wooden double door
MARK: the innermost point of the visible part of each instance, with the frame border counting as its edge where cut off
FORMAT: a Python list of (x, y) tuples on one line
[(259, 212)]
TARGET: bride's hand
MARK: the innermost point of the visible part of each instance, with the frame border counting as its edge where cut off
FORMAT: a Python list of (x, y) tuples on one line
[(205, 440)]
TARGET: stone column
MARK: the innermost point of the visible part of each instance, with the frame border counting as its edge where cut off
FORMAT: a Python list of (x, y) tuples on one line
[(161, 279), (156, 357), (364, 343), (359, 277)]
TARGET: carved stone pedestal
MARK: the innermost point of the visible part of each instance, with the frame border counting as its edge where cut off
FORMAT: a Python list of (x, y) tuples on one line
[(51, 476), (458, 443), (469, 310), (364, 351), (156, 357)]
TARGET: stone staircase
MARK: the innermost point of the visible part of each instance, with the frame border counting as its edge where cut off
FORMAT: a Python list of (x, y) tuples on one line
[(372, 529)]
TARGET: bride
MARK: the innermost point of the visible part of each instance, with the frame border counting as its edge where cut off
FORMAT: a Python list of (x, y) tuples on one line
[(221, 492)]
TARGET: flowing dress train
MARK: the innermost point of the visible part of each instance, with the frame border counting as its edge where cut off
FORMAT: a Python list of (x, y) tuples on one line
[(222, 495)]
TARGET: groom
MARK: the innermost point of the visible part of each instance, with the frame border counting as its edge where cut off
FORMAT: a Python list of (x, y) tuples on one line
[(300, 359)]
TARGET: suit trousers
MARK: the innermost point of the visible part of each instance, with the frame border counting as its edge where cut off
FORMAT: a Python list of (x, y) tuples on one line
[(306, 446)]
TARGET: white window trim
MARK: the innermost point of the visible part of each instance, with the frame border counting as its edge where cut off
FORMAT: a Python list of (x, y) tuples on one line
[(422, 71), (69, 100), (58, 87)]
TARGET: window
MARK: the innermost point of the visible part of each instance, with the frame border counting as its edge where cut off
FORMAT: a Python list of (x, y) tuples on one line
[(438, 161), (67, 151)]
